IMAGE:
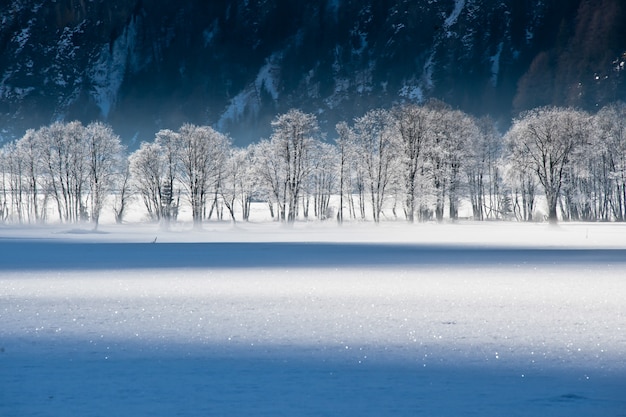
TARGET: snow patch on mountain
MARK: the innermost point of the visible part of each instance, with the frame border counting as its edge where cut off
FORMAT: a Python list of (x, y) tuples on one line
[(534, 21), (268, 78), (249, 99), (246, 100), (495, 65), (208, 35), (22, 39), (108, 71), (454, 16), (20, 92), (340, 93), (66, 47), (427, 72), (5, 89), (362, 43)]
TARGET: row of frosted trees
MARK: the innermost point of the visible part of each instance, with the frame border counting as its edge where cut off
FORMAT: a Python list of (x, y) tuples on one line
[(67, 166), (416, 162)]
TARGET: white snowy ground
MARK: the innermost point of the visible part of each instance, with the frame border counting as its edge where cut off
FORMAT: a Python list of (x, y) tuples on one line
[(474, 319)]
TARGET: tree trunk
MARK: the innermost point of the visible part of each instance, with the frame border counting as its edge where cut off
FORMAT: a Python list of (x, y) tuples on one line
[(552, 209)]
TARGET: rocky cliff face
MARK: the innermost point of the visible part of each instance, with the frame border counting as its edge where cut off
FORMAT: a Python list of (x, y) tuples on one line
[(142, 65)]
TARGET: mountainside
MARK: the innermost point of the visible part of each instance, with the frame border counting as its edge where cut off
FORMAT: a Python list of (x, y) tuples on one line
[(142, 65)]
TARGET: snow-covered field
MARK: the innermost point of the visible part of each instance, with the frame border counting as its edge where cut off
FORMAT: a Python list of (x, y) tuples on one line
[(483, 319)]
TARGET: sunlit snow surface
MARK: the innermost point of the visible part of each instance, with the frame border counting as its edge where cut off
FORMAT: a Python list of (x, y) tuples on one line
[(434, 320)]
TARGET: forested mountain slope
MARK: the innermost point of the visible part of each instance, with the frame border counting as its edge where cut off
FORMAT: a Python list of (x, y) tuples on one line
[(143, 65)]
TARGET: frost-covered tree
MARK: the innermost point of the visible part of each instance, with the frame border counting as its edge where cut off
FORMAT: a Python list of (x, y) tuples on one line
[(483, 171), (579, 192), (238, 182), (438, 157), (545, 138), (452, 133), (202, 153), (414, 126), (352, 172), (376, 145), (14, 165), (522, 181), (147, 166), (77, 180), (269, 172), (64, 156), (167, 141), (292, 141), (54, 157), (610, 140), (4, 197), (323, 179), (71, 163), (29, 149), (104, 162), (461, 132), (343, 144), (248, 183), (125, 193)]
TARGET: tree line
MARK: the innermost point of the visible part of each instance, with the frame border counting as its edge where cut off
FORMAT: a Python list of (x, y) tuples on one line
[(415, 162)]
